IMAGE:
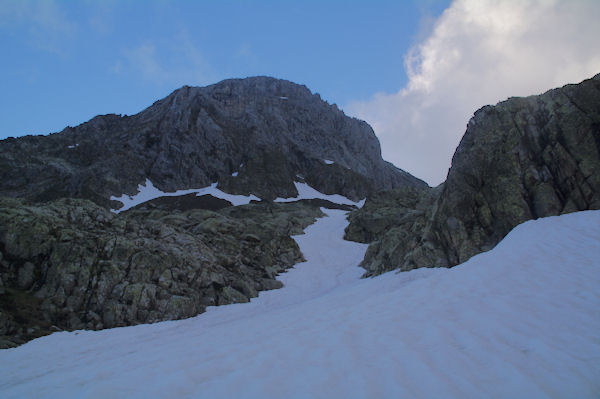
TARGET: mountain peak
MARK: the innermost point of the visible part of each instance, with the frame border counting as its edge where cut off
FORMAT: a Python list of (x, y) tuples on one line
[(264, 130)]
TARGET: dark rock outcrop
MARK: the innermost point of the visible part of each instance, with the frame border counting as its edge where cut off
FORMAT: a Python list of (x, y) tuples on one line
[(522, 159), (393, 222), (267, 132), (70, 264)]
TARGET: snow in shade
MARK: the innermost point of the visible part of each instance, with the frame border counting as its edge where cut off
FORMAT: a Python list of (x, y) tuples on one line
[(328, 162), (522, 320), (147, 192), (307, 192)]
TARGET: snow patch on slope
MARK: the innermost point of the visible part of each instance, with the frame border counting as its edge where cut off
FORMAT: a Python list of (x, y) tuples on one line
[(522, 320), (307, 192), (147, 192)]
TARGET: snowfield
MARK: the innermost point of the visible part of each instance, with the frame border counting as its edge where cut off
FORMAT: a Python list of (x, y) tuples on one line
[(520, 321), (147, 192), (307, 192)]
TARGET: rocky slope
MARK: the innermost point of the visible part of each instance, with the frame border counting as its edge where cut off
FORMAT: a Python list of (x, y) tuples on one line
[(253, 136), (521, 159), (70, 264)]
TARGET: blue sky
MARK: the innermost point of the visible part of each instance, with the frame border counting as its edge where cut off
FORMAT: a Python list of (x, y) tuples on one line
[(67, 61), (415, 70)]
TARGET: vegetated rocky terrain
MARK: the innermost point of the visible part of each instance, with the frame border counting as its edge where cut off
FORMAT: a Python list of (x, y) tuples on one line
[(67, 262), (521, 159)]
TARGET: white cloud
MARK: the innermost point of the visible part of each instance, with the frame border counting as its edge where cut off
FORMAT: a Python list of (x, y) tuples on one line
[(171, 64), (479, 52), (46, 23), (143, 59), (102, 15)]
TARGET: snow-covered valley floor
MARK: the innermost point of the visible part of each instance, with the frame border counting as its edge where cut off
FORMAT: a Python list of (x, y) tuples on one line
[(520, 321)]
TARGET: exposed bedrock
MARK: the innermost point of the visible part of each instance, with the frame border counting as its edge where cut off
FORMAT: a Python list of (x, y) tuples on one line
[(70, 264), (521, 159)]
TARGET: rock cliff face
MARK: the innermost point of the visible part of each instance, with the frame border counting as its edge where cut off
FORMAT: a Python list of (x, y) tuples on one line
[(267, 132), (521, 159)]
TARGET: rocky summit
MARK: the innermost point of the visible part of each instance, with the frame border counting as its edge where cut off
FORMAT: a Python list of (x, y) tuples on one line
[(521, 159), (252, 136)]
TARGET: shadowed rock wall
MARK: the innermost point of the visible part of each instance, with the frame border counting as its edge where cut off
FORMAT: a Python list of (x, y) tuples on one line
[(521, 159)]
